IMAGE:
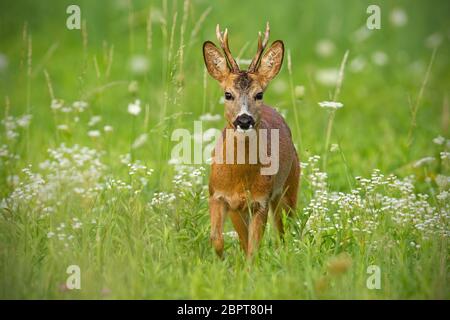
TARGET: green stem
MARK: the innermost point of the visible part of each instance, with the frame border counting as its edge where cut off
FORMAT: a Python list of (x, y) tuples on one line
[(328, 137)]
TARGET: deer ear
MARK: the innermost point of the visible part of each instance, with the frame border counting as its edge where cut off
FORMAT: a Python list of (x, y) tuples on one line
[(215, 61), (271, 62)]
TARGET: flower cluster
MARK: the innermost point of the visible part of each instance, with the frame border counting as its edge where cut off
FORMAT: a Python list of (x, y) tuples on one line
[(140, 174), (162, 199), (374, 201), (67, 172), (188, 182), (188, 177), (6, 156), (61, 106), (13, 124)]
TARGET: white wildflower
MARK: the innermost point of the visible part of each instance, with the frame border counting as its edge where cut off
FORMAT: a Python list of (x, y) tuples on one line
[(210, 117), (442, 181), (325, 48), (80, 106), (331, 104), (125, 158), (135, 107), (94, 120), (4, 151), (334, 147), (398, 17), (439, 140), (78, 190), (327, 77), (62, 127), (357, 64), (24, 121), (231, 234), (94, 133), (380, 58), (445, 155), (57, 104), (77, 225), (162, 198), (139, 64), (443, 195)]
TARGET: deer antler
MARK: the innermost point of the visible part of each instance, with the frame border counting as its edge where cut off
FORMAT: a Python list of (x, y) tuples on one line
[(261, 46), (223, 39)]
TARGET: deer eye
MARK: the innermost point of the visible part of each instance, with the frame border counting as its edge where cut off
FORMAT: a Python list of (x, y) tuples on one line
[(259, 96), (228, 96)]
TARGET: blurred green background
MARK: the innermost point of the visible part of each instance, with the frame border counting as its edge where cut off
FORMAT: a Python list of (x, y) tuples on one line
[(152, 51), (372, 128)]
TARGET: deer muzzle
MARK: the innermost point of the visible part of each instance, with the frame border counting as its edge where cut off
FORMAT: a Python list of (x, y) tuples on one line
[(244, 122)]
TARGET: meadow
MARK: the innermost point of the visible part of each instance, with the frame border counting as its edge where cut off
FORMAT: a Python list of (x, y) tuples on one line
[(88, 177)]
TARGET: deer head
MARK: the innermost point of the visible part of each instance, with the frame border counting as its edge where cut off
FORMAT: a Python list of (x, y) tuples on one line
[(243, 89)]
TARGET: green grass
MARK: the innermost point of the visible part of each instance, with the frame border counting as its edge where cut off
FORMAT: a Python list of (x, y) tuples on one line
[(144, 248)]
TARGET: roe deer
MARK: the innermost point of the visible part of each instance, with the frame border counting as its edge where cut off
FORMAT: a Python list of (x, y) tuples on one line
[(241, 190)]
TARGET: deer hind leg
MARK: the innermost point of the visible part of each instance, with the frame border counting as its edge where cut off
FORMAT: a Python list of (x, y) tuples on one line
[(240, 223), (291, 188), (217, 215), (278, 205), (287, 202), (257, 226)]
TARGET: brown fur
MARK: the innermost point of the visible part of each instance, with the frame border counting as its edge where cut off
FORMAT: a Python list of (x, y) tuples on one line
[(243, 81), (240, 190)]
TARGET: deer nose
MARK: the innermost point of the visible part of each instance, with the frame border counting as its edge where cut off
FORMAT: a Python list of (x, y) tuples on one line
[(244, 121)]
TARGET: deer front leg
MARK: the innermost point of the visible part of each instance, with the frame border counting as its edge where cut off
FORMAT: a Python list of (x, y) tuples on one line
[(240, 223), (217, 214), (257, 226)]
